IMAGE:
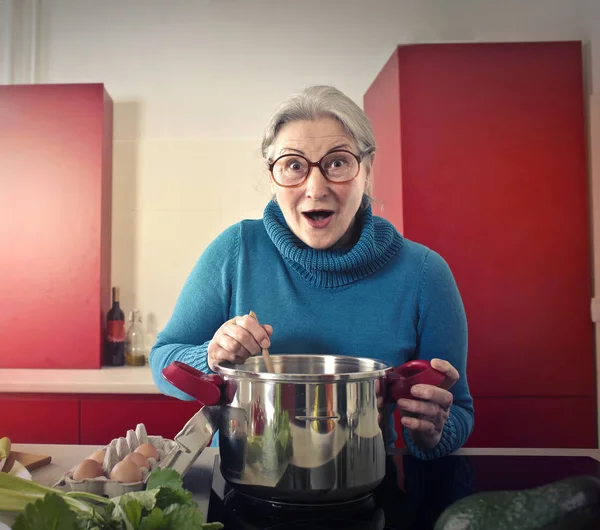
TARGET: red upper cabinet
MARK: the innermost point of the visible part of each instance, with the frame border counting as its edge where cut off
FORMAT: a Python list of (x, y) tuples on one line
[(55, 223), (482, 157)]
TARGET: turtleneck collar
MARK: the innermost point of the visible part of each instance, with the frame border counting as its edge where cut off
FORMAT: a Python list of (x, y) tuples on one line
[(378, 243)]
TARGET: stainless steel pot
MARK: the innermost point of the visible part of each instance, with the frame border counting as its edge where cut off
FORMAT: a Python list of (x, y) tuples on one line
[(308, 433)]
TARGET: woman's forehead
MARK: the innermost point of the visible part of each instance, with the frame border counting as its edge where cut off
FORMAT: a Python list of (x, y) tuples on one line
[(313, 137)]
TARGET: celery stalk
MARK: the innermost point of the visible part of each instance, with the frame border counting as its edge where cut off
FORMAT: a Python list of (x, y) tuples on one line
[(84, 495), (16, 492), (10, 482), (15, 501)]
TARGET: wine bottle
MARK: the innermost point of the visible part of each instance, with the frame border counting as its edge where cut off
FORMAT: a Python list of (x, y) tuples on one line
[(115, 332), (135, 350)]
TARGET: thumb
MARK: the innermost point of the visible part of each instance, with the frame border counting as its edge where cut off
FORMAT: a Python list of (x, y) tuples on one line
[(268, 329)]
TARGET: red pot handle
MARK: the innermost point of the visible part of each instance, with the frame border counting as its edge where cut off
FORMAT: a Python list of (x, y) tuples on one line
[(206, 388), (400, 380)]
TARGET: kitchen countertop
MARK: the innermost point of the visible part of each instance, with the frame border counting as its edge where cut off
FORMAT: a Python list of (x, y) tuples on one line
[(64, 457), (106, 380), (198, 479)]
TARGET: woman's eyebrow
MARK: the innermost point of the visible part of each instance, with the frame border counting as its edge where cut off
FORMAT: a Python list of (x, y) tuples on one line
[(341, 146), (292, 149), (299, 151)]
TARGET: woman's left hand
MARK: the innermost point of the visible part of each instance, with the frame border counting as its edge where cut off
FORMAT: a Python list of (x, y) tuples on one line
[(426, 415)]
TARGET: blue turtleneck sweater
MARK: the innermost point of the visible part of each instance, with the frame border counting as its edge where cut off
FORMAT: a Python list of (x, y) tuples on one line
[(386, 298)]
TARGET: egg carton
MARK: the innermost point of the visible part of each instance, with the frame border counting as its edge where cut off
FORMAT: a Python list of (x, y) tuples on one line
[(116, 451)]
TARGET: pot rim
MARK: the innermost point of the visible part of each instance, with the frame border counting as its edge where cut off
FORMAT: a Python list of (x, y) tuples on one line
[(377, 369)]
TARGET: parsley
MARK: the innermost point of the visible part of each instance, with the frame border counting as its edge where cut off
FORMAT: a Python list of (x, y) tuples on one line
[(164, 505)]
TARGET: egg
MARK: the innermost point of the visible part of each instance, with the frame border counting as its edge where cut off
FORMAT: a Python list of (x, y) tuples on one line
[(148, 450), (88, 469), (126, 471), (98, 456), (138, 459)]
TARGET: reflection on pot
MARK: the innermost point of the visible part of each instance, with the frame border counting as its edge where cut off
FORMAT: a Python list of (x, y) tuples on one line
[(308, 432), (303, 442)]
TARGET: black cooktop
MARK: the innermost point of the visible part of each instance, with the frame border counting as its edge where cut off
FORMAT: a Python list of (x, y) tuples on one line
[(412, 495)]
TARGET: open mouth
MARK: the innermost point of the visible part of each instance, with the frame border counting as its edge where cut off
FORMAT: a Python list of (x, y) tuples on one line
[(318, 218), (318, 215)]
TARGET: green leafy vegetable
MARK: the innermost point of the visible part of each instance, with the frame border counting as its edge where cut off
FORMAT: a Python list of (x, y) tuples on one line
[(51, 513), (153, 521), (165, 505), (165, 477), (129, 512)]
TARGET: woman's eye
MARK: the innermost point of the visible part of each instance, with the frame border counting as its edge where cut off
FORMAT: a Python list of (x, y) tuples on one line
[(337, 163), (295, 165)]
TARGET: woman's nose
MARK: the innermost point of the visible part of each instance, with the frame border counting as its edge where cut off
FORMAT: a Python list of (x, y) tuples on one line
[(317, 185)]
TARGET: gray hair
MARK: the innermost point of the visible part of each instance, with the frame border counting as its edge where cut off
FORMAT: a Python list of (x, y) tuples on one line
[(316, 102)]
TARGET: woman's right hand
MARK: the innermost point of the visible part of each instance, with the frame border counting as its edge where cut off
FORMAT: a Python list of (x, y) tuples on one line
[(237, 339)]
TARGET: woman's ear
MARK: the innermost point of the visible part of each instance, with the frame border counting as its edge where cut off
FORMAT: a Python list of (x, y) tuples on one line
[(369, 181)]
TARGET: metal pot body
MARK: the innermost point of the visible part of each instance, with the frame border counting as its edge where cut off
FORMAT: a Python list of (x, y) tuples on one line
[(308, 433)]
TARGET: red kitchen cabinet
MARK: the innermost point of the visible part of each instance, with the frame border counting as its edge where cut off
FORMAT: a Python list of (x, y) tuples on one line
[(481, 156), (39, 418), (106, 417), (55, 224), (517, 422)]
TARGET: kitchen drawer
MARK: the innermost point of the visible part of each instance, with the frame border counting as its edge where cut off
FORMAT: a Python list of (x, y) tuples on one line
[(105, 417), (549, 422), (40, 419)]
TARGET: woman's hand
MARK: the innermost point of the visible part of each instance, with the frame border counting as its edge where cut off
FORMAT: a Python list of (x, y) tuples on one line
[(426, 415), (237, 339)]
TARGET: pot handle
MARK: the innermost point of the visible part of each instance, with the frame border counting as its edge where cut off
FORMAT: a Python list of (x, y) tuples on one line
[(418, 371), (206, 388)]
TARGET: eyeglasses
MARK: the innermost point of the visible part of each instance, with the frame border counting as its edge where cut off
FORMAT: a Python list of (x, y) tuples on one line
[(338, 167)]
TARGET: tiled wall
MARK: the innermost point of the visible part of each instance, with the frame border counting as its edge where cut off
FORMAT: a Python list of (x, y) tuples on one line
[(170, 199)]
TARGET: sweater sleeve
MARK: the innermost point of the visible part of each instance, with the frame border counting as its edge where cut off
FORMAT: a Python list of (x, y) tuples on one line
[(202, 307), (442, 333)]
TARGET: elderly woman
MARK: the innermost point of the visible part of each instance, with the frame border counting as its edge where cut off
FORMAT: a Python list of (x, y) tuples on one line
[(326, 276)]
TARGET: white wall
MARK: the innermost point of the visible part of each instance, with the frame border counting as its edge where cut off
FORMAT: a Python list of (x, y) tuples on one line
[(194, 81)]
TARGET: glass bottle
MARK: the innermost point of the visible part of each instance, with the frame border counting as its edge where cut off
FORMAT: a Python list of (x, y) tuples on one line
[(115, 333), (135, 353)]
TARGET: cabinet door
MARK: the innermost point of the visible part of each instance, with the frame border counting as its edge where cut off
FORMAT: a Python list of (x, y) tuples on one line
[(548, 422), (105, 417), (55, 224), (551, 422), (39, 419), (494, 178), (481, 156)]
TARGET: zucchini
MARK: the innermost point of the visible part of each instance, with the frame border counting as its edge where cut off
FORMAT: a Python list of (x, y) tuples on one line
[(569, 504)]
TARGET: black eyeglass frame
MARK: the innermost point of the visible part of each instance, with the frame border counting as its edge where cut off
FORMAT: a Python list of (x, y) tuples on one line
[(359, 158)]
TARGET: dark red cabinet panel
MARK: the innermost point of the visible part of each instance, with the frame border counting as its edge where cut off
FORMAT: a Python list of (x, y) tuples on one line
[(534, 422), (104, 418), (482, 157), (55, 222), (40, 419)]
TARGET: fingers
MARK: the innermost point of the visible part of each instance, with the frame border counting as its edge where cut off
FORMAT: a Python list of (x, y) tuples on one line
[(419, 408), (433, 394), (255, 335), (424, 427), (426, 415), (380, 400), (451, 373), (237, 339)]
